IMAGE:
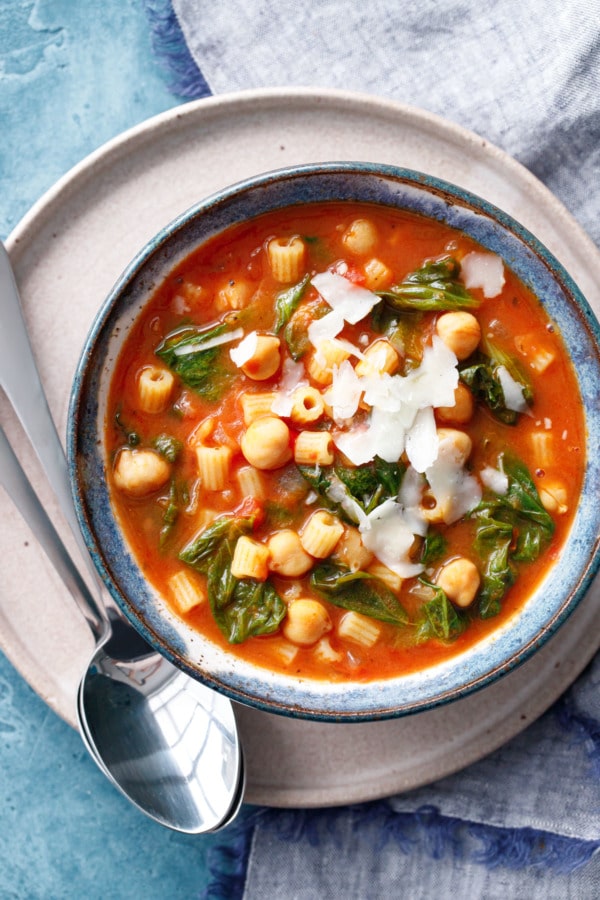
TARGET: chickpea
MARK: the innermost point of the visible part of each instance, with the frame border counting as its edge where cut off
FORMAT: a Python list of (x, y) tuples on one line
[(456, 444), (266, 443), (234, 295), (553, 494), (462, 411), (288, 557), (460, 581), (460, 331), (306, 622), (140, 472), (360, 237), (265, 360), (351, 550)]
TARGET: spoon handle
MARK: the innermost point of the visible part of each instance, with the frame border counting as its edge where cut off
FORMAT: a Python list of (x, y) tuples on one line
[(20, 380), (18, 487)]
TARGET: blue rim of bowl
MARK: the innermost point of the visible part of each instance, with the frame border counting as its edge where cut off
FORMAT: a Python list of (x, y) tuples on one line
[(460, 208)]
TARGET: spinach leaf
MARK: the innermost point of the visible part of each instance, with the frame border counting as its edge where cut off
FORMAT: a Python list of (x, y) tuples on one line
[(434, 546), (318, 477), (480, 374), (371, 483), (333, 493), (510, 529), (402, 329), (296, 331), (340, 488), (207, 372), (242, 607), (200, 553), (389, 475), (277, 515), (361, 481), (177, 498), (132, 437), (534, 524), (359, 592), (433, 287), (167, 446), (287, 302), (493, 542), (438, 617)]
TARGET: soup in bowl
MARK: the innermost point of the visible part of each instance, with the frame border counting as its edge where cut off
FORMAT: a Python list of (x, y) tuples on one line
[(330, 442)]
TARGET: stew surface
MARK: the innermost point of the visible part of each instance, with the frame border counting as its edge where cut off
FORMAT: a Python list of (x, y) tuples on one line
[(344, 441)]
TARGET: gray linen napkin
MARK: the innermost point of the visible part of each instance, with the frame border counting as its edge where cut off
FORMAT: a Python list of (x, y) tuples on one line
[(523, 822)]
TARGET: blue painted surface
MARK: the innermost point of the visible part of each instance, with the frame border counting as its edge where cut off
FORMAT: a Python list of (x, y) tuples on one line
[(73, 73)]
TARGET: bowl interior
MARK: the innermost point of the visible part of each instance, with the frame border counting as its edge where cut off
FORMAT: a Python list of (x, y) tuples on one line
[(507, 646)]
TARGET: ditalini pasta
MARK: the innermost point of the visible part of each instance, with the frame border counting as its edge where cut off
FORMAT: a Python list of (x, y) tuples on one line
[(335, 443)]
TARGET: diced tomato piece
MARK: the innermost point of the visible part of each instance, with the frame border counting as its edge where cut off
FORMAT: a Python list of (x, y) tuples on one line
[(251, 508)]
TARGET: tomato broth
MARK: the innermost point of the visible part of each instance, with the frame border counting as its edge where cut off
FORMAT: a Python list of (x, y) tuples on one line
[(282, 475)]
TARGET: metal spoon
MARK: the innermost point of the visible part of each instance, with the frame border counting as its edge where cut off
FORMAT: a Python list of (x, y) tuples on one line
[(167, 742)]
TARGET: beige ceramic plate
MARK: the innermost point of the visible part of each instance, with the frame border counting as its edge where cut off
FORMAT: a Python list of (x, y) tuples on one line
[(69, 251)]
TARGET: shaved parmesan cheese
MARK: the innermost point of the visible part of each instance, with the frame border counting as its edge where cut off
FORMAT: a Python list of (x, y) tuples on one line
[(483, 270), (325, 329), (389, 432), (382, 435), (395, 401), (359, 445), (351, 300), (227, 338), (345, 392), (495, 480), (245, 350), (291, 378), (456, 492), (387, 533), (433, 383), (512, 390), (411, 489), (422, 440)]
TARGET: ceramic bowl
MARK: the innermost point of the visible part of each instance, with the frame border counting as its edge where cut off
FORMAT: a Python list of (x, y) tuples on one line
[(507, 646)]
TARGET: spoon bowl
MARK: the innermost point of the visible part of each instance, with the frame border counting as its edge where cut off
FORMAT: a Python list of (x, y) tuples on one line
[(169, 744)]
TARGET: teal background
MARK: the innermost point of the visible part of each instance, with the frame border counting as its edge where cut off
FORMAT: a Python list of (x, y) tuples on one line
[(73, 74)]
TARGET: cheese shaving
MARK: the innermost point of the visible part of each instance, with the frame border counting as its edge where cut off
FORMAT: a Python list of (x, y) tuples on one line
[(495, 480), (485, 271), (351, 300), (227, 338), (345, 392), (395, 402), (514, 397), (245, 350), (291, 379), (422, 441), (455, 490), (388, 533)]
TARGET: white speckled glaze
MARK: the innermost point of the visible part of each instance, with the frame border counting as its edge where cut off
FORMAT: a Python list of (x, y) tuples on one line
[(508, 645)]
